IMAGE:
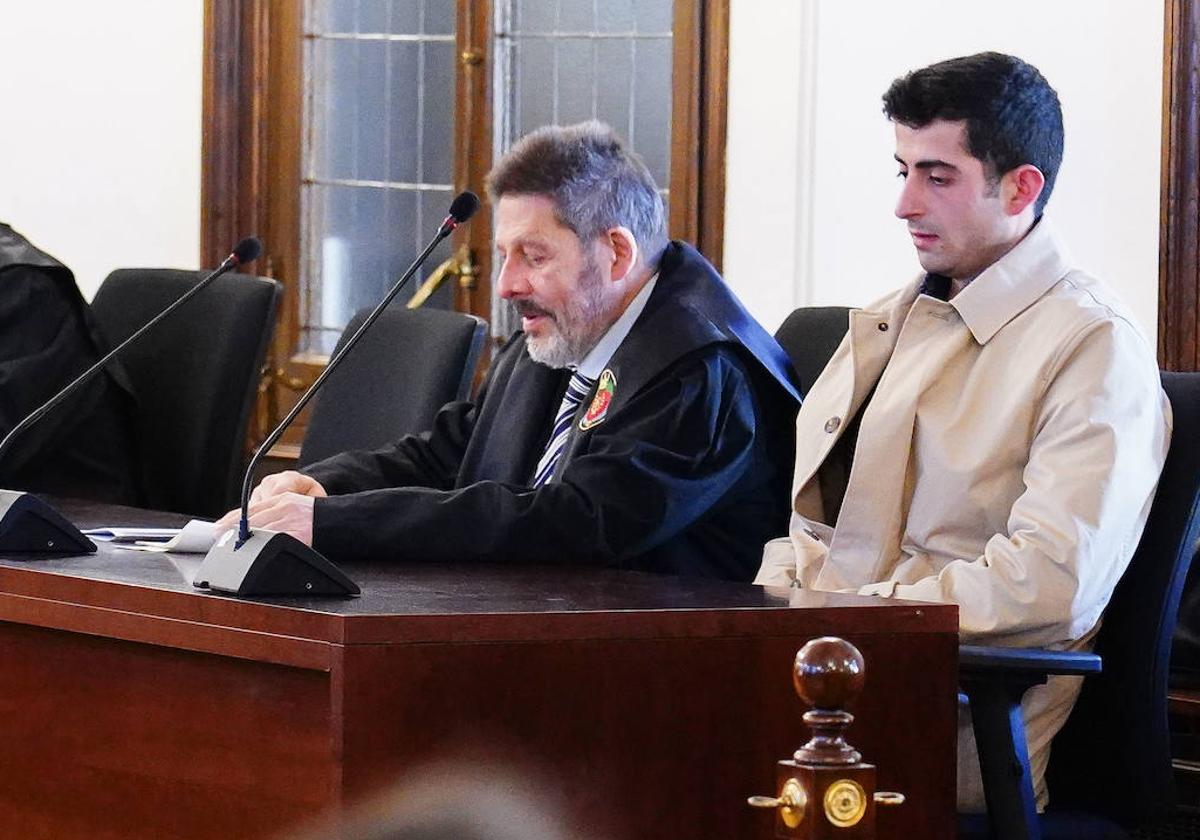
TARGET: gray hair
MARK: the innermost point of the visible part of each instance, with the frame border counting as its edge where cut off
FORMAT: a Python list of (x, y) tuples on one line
[(594, 179)]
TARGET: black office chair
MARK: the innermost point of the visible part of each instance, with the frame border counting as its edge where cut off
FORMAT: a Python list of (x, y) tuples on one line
[(1185, 652), (810, 335), (195, 376), (1110, 766), (407, 366)]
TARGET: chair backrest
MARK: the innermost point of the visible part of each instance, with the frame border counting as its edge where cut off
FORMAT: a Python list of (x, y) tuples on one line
[(1113, 757), (195, 376), (810, 335), (407, 366)]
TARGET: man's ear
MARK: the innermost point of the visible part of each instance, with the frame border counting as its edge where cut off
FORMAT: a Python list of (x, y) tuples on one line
[(1021, 187), (622, 250)]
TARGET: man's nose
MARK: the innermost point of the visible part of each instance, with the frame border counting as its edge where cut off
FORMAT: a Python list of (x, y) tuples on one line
[(908, 205), (510, 282)]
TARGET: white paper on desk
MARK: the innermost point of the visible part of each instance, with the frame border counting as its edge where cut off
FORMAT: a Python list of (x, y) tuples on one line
[(196, 537), (130, 534)]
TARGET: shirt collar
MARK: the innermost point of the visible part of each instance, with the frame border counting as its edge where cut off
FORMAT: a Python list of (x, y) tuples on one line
[(594, 362), (936, 286), (1011, 284)]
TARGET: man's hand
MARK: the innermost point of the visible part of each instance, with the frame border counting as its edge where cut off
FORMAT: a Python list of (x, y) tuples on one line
[(289, 513), (288, 482)]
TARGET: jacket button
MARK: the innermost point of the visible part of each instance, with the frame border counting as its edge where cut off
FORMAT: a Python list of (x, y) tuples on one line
[(883, 327), (831, 425)]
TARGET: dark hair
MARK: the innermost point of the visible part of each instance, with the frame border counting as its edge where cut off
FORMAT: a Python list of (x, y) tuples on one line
[(596, 182), (1012, 114)]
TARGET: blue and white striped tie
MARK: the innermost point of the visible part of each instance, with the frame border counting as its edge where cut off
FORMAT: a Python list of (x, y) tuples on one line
[(577, 390)]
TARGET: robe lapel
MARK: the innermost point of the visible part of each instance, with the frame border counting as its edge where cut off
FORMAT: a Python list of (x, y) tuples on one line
[(517, 428)]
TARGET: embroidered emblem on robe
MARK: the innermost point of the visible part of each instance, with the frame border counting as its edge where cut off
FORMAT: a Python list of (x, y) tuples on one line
[(598, 410)]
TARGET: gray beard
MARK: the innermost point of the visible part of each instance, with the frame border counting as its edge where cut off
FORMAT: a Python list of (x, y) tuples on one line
[(576, 330), (553, 351)]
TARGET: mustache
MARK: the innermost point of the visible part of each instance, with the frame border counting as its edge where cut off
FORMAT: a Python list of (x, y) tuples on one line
[(529, 309)]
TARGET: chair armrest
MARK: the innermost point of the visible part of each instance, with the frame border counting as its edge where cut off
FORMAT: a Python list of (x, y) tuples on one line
[(982, 661), (994, 680)]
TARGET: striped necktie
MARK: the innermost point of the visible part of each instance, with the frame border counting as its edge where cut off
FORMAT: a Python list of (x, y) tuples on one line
[(577, 390)]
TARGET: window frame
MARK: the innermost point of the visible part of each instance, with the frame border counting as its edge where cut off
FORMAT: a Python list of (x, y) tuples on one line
[(251, 153), (1179, 215)]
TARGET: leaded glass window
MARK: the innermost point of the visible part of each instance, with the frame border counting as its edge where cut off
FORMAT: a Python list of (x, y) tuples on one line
[(378, 163), (563, 61)]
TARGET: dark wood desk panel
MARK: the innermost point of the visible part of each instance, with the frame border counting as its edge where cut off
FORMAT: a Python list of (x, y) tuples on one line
[(104, 738), (649, 738), (136, 706)]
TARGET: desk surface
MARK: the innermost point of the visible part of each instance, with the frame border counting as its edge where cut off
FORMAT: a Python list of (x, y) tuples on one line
[(479, 600), (673, 685)]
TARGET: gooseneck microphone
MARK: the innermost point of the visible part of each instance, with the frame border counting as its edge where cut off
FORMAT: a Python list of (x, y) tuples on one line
[(270, 563), (27, 524)]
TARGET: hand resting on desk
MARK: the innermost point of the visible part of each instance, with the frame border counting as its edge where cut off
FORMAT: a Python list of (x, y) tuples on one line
[(288, 481), (282, 502)]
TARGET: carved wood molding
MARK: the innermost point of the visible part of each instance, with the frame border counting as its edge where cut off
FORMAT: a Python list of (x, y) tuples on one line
[(1179, 241)]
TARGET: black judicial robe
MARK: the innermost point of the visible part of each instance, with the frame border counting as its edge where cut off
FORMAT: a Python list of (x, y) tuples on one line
[(84, 448), (689, 471)]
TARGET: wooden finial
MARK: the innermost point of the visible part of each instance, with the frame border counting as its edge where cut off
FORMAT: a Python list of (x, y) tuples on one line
[(828, 675)]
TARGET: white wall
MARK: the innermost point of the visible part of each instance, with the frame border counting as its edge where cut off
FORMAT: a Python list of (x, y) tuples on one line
[(100, 149), (805, 129)]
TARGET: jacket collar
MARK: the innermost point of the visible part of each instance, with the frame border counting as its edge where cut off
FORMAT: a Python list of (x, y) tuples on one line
[(1013, 283)]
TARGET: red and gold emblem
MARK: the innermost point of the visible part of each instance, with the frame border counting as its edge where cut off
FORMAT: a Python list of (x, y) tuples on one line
[(598, 410)]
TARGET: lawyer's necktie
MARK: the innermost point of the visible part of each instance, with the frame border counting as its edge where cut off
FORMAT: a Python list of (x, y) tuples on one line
[(577, 390)]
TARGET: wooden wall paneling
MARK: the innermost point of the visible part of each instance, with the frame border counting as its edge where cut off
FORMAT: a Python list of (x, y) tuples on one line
[(1179, 252)]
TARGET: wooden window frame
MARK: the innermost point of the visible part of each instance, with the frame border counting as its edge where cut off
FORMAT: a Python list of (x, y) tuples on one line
[(1179, 216), (251, 151)]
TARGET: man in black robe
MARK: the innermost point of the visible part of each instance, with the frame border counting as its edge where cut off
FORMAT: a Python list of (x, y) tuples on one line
[(642, 418), (84, 447)]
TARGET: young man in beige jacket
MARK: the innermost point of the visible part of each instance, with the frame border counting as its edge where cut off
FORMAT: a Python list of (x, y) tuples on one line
[(991, 434)]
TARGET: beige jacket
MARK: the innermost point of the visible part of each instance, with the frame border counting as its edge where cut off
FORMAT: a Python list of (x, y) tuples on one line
[(1005, 463)]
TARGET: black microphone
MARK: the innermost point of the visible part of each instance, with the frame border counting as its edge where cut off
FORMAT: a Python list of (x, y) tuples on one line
[(269, 563), (28, 524), (462, 208)]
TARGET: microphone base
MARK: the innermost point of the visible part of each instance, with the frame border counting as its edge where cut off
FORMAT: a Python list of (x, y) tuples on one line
[(29, 525), (270, 563)]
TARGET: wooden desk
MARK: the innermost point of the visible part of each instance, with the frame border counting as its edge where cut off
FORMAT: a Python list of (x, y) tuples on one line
[(134, 706)]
